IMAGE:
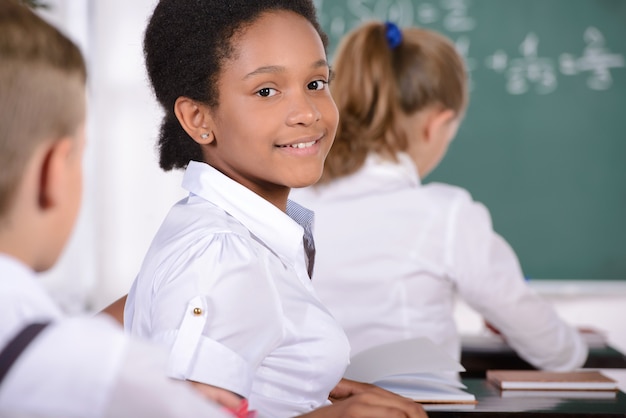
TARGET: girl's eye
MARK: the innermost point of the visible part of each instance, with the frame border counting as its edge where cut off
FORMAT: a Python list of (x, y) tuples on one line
[(317, 85), (266, 92)]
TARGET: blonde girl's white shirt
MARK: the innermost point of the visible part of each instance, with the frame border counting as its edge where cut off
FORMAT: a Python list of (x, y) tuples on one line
[(83, 366), (393, 255), (224, 286)]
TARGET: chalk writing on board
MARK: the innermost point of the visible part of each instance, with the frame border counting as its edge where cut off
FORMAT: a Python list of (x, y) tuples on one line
[(596, 59), (453, 14), (531, 69), (457, 19), (528, 70), (524, 72)]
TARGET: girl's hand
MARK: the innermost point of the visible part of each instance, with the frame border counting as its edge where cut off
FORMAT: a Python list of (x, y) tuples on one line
[(353, 399), (371, 403), (346, 388)]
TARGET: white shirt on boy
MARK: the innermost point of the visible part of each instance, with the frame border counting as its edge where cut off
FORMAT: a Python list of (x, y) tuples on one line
[(84, 366)]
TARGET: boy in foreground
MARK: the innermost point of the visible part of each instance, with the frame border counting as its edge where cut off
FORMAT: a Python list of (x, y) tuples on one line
[(50, 365)]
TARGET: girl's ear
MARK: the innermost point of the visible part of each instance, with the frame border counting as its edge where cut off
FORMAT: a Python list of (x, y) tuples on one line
[(440, 124), (196, 120)]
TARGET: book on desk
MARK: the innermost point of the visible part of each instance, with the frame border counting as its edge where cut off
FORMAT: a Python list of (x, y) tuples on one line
[(560, 394), (415, 368), (583, 380)]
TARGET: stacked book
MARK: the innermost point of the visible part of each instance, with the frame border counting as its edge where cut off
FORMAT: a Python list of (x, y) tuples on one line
[(538, 383)]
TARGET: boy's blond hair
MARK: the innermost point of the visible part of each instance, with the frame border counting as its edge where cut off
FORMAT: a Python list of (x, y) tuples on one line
[(42, 79), (374, 83)]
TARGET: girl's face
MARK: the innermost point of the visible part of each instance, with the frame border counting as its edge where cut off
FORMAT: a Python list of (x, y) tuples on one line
[(276, 119)]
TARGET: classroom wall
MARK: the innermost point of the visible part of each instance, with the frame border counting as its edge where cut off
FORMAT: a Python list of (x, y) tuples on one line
[(127, 195)]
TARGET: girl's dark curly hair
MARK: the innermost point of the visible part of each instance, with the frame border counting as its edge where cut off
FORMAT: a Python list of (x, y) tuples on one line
[(185, 45)]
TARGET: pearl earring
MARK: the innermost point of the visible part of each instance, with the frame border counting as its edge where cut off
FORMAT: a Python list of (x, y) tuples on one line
[(204, 135)]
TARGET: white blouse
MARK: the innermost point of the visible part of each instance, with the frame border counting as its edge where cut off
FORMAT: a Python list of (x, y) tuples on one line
[(392, 254), (84, 366), (225, 287)]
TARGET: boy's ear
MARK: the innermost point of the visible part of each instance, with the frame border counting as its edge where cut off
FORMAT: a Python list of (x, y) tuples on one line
[(53, 172), (196, 120), (438, 124)]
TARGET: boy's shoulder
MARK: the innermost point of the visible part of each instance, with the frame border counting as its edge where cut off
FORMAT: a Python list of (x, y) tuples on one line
[(83, 353), (93, 362)]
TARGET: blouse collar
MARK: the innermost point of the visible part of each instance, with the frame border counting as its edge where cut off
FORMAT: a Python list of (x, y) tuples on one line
[(280, 231)]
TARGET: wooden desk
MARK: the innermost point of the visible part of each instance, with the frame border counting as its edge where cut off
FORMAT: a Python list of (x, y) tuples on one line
[(477, 357), (493, 404)]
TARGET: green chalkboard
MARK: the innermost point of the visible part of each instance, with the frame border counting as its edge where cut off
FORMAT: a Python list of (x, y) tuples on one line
[(543, 144)]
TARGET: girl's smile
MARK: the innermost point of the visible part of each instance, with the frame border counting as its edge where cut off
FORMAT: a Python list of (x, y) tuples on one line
[(304, 146)]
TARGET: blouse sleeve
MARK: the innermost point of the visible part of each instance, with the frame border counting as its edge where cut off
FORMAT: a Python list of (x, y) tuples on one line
[(216, 307), (489, 278)]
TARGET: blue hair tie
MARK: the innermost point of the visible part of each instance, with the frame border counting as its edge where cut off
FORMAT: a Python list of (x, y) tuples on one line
[(393, 35)]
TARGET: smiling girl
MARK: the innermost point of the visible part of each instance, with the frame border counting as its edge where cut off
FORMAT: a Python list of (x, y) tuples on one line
[(225, 284)]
